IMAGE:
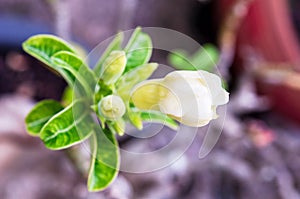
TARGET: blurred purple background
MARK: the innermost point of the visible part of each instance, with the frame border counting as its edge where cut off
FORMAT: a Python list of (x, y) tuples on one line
[(258, 154)]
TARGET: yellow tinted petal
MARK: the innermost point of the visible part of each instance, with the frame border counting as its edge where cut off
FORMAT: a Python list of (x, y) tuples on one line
[(148, 94)]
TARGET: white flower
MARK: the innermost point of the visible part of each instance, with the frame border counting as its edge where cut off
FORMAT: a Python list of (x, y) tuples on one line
[(191, 97)]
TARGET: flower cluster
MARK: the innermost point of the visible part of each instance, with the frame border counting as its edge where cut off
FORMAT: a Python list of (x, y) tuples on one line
[(190, 97)]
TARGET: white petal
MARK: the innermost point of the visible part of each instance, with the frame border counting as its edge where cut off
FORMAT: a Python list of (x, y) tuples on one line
[(171, 106), (192, 96), (219, 94)]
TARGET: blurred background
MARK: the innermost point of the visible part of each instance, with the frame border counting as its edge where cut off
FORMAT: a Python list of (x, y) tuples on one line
[(258, 153)]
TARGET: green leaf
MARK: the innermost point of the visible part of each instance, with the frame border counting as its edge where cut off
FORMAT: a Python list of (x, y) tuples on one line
[(179, 59), (40, 114), (77, 70), (43, 47), (105, 160), (114, 45), (138, 50), (130, 79), (158, 117), (204, 59), (68, 127)]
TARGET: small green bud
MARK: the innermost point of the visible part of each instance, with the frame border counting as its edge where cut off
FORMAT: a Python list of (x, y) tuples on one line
[(111, 107), (135, 119), (113, 67), (67, 97), (119, 126)]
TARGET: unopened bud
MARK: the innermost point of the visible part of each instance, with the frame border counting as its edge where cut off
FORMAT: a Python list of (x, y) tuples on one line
[(119, 126), (135, 119), (113, 67), (111, 107)]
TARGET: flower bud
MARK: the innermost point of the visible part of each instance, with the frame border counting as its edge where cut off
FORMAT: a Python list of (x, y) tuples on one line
[(119, 126), (135, 119), (111, 107), (113, 67)]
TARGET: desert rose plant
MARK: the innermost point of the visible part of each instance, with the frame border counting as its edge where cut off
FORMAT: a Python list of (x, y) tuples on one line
[(114, 92)]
